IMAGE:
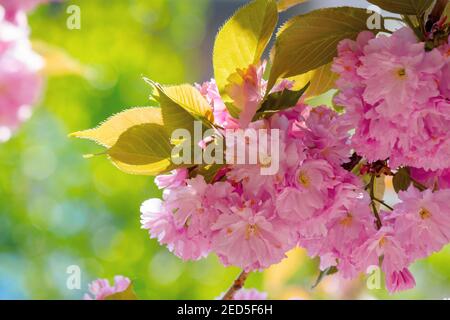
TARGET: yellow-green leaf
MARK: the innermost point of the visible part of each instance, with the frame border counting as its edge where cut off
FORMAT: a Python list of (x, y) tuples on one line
[(321, 81), (284, 5), (408, 7), (143, 148), (128, 294), (189, 98), (310, 41), (243, 39), (109, 131)]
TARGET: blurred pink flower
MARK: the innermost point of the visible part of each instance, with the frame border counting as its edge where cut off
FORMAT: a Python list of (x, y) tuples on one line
[(100, 289), (250, 294)]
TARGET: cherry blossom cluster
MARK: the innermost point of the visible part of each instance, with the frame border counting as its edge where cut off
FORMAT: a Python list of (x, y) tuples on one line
[(251, 220), (20, 80), (396, 96)]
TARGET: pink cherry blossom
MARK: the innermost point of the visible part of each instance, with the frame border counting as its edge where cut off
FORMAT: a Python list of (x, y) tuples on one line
[(398, 73), (175, 179), (247, 89), (422, 220), (221, 115), (101, 289), (250, 294), (15, 10), (161, 225), (249, 238), (400, 281), (439, 179), (20, 80), (396, 102)]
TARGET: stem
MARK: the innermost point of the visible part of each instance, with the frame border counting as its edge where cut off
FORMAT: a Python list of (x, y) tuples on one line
[(383, 203), (372, 197), (236, 286), (387, 31), (419, 185)]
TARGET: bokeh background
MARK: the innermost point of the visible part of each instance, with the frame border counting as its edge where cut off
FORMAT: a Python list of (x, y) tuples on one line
[(58, 209)]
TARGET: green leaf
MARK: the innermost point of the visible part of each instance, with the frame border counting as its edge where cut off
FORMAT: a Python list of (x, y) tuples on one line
[(143, 149), (310, 41), (188, 98), (243, 39), (284, 5), (321, 81), (128, 294), (407, 7), (174, 115), (401, 180), (109, 131), (281, 100)]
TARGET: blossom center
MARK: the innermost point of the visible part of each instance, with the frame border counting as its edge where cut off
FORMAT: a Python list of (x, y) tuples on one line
[(424, 214), (382, 241), (347, 221), (401, 73), (265, 161), (252, 229), (304, 179)]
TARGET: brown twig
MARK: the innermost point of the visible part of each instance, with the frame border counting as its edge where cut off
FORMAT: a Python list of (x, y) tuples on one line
[(236, 286), (372, 197)]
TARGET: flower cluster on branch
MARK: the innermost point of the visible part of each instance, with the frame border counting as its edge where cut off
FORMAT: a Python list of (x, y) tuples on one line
[(390, 118)]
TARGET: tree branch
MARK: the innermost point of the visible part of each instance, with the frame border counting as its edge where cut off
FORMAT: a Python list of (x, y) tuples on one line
[(383, 203), (372, 197), (236, 286)]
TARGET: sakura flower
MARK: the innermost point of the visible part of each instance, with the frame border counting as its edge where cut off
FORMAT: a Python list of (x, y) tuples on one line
[(307, 194), (395, 104), (348, 60), (326, 135), (248, 238), (161, 225), (422, 220), (398, 72), (385, 244), (221, 115), (21, 85), (250, 294), (439, 179), (175, 179), (101, 289), (15, 9), (247, 89), (400, 281)]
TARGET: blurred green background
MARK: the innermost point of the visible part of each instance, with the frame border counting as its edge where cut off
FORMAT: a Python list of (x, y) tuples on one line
[(58, 209)]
